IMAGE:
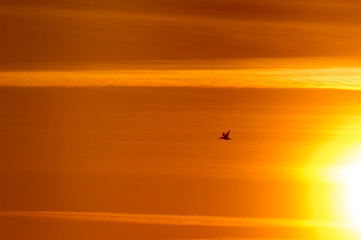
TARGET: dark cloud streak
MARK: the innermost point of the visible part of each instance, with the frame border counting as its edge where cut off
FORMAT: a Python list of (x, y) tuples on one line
[(40, 32), (344, 11)]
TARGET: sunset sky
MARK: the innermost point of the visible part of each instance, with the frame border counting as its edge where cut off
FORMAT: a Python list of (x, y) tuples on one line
[(111, 113), (181, 43)]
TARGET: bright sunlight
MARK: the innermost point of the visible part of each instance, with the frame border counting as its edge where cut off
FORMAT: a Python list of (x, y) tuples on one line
[(349, 174), (346, 171)]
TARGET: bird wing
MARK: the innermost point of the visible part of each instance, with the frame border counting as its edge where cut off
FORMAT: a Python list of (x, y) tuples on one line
[(226, 135)]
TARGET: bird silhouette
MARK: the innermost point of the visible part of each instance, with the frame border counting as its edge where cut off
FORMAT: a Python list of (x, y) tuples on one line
[(225, 136)]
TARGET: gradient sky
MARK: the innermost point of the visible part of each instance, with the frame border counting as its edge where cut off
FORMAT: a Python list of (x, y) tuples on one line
[(111, 113), (114, 38), (109, 31), (152, 157)]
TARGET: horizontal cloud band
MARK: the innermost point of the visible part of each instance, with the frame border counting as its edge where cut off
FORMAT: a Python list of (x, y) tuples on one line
[(180, 220), (252, 73)]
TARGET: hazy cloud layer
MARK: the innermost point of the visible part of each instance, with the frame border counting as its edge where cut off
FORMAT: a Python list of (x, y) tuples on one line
[(40, 32), (254, 73), (114, 41), (173, 219), (236, 238), (319, 10)]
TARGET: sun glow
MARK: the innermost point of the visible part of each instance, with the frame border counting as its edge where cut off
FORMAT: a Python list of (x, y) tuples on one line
[(348, 174)]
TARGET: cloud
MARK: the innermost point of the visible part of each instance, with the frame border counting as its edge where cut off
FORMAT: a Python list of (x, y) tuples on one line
[(108, 31), (253, 73), (179, 220), (231, 238), (319, 10)]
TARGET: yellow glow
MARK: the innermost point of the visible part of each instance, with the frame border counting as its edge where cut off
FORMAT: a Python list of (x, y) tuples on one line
[(349, 175), (337, 183)]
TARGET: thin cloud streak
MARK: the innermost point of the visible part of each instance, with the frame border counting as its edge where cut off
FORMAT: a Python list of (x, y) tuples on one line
[(317, 11), (158, 30), (250, 75), (231, 238), (178, 220)]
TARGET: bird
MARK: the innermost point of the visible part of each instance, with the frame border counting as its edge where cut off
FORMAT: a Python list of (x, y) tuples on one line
[(225, 136)]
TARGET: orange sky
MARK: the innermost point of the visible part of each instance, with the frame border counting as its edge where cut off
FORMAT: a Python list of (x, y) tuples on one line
[(339, 73), (111, 113), (44, 36), (117, 31), (155, 151)]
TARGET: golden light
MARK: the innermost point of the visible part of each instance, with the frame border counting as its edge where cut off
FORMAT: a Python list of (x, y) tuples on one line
[(348, 174), (336, 181)]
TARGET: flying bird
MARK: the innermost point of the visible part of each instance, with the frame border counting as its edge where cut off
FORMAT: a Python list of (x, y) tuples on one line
[(225, 136)]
